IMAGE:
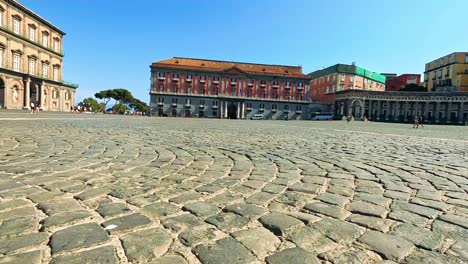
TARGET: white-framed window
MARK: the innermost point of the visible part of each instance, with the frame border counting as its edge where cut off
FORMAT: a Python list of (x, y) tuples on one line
[(466, 58), (16, 25), (1, 17), (351, 78), (32, 33), (45, 39), (54, 94), (56, 73), (45, 70), (56, 45), (32, 66), (16, 61)]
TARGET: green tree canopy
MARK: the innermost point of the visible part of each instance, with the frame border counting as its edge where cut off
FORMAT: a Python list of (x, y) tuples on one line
[(123, 97), (91, 104)]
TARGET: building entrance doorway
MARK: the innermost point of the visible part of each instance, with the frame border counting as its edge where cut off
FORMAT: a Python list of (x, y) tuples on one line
[(201, 113), (160, 112), (187, 113), (174, 112), (34, 95), (2, 94), (232, 111)]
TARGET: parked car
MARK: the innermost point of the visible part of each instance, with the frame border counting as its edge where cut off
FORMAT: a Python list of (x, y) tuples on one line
[(257, 117)]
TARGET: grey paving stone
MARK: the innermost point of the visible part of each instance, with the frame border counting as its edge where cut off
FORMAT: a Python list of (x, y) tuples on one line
[(334, 199), (421, 237), (227, 222), (311, 240), (52, 207), (455, 219), (280, 224), (250, 239), (367, 209), (169, 259), (159, 210), (226, 250), (417, 209), (201, 209), (65, 218), (392, 247), (141, 246), (181, 222), (337, 230), (371, 222), (11, 204), (306, 188), (293, 256), (126, 223), (260, 198), (397, 195), (11, 244), (461, 248), (112, 209), (16, 226), (79, 236), (191, 237), (32, 257), (422, 256), (99, 255), (247, 210), (329, 210)]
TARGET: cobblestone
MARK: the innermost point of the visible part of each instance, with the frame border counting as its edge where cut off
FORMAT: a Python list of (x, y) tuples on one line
[(119, 189)]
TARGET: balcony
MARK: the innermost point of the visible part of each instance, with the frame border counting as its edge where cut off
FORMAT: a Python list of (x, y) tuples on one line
[(175, 79), (233, 82), (202, 80), (248, 108), (275, 85), (161, 78), (274, 110), (286, 110), (287, 87), (250, 84), (189, 79), (300, 87), (215, 81), (174, 104), (188, 105), (263, 85), (160, 103), (261, 109), (214, 107), (298, 111), (201, 106)]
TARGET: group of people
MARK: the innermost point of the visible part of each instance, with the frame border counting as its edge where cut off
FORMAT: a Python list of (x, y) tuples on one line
[(418, 121), (35, 108)]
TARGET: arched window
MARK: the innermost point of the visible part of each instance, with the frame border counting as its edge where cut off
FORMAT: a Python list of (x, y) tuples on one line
[(67, 96)]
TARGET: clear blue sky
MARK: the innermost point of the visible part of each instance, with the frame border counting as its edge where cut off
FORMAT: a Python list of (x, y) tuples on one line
[(111, 43)]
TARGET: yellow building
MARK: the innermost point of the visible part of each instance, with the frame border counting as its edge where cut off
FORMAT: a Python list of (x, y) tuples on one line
[(31, 59), (448, 73)]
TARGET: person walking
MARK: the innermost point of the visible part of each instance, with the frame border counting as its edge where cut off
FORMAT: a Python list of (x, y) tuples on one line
[(420, 121), (416, 122), (32, 108)]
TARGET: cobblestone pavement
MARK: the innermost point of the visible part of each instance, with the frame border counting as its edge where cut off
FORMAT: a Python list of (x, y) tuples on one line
[(106, 189)]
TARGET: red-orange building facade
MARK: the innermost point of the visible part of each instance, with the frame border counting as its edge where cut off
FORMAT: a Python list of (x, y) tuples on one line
[(325, 83), (399, 82), (197, 87)]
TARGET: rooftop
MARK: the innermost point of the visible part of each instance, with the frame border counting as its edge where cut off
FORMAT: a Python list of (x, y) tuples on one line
[(231, 67), (28, 11)]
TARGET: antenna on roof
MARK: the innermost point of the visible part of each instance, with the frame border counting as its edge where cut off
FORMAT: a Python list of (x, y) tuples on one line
[(353, 63)]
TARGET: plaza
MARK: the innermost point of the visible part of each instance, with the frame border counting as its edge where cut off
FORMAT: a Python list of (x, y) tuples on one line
[(120, 189)]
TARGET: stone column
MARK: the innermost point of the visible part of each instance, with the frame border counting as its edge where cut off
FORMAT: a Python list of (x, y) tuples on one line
[(370, 110), (243, 110), (436, 112), (425, 109), (379, 109), (460, 113), (363, 109), (27, 92), (226, 109), (405, 111), (447, 112), (5, 94), (238, 110), (221, 110)]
